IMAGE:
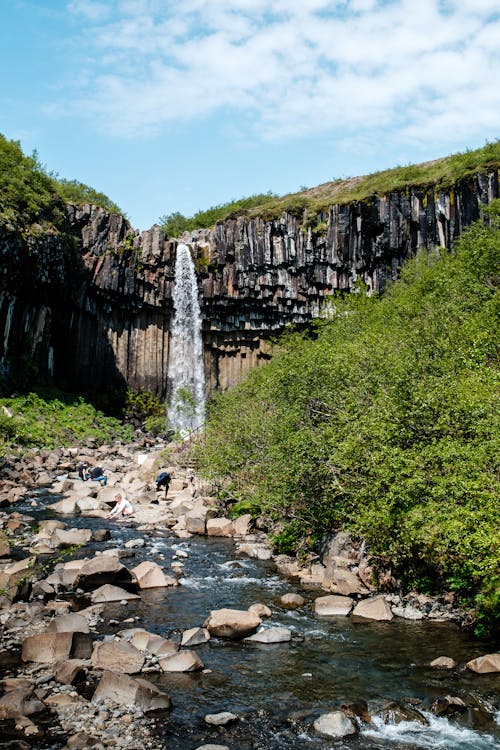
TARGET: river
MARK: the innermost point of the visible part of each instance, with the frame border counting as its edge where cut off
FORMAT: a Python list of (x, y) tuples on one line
[(278, 690)]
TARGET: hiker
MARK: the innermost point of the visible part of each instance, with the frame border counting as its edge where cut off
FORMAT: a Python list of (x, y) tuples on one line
[(97, 475), (83, 471), (190, 480), (163, 480), (123, 506)]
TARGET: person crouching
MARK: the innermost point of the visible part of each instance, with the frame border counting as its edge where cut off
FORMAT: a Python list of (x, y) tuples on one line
[(123, 506)]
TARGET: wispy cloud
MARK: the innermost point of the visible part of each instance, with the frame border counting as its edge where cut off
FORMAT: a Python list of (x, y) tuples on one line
[(294, 67)]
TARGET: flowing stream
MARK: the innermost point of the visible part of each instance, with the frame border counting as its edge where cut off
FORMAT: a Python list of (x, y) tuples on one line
[(278, 690), (186, 377)]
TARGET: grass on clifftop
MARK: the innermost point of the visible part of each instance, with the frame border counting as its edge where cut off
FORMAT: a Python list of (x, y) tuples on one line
[(441, 173), (386, 422)]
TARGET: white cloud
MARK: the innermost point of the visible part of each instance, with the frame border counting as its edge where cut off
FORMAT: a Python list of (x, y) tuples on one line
[(293, 67)]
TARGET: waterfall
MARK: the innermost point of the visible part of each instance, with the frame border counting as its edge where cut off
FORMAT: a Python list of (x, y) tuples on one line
[(186, 376)]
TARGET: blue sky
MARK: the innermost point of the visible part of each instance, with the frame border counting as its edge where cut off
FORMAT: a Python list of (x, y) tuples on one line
[(178, 106)]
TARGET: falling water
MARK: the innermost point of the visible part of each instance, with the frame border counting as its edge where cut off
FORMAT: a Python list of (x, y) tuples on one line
[(186, 377)]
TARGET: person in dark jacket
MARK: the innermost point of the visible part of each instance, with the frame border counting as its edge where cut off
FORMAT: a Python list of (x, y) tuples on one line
[(163, 480), (97, 475)]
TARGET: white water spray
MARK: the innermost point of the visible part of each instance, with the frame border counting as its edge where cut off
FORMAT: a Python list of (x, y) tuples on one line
[(186, 376)]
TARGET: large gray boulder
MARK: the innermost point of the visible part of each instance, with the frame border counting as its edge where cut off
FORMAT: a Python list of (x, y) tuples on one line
[(333, 605), (101, 570), (232, 623), (271, 635), (375, 608), (150, 575), (109, 593), (130, 691), (182, 661), (117, 656), (485, 664), (334, 724)]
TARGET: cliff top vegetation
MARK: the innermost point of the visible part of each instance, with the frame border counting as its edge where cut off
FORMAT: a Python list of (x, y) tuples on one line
[(30, 194), (384, 421), (440, 173)]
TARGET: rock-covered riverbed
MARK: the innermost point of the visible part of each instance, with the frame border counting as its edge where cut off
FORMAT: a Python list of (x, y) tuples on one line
[(175, 629)]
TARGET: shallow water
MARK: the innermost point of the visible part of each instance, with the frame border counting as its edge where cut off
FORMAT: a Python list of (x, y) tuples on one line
[(278, 690)]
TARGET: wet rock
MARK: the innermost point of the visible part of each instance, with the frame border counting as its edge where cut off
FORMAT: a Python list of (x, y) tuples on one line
[(100, 535), (271, 635), (375, 608), (135, 543), (408, 613), (219, 527), (221, 719), (395, 713), (117, 656), (195, 637), (333, 605), (182, 661), (291, 601), (101, 570), (67, 506), (130, 691), (150, 575), (334, 724), (109, 593), (261, 610), (357, 709), (443, 662), (449, 705), (232, 623), (485, 664), (258, 551)]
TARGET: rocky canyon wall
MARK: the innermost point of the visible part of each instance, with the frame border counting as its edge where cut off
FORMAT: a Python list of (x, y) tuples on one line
[(90, 306)]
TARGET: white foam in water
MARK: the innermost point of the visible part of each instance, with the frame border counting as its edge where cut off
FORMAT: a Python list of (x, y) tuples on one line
[(440, 733)]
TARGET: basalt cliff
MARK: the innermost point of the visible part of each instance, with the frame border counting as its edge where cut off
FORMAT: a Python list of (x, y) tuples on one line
[(90, 306)]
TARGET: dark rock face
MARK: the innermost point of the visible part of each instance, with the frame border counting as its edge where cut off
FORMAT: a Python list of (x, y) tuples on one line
[(92, 306)]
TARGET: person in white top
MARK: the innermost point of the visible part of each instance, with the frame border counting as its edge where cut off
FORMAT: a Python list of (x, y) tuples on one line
[(123, 506)]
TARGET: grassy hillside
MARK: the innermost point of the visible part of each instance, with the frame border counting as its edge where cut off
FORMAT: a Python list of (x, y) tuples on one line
[(385, 421), (441, 173)]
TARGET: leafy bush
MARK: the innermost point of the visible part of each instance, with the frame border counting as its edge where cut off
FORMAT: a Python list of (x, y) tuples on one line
[(77, 192), (175, 224), (386, 422), (57, 419)]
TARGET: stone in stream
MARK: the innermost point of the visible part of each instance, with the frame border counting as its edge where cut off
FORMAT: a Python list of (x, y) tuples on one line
[(195, 637), (150, 575), (443, 662), (126, 691), (182, 661), (69, 623), (67, 506), (375, 608), (485, 664), (212, 747), (291, 601), (117, 656), (109, 593), (231, 623), (101, 570), (333, 605), (261, 610), (334, 724), (220, 527), (271, 635), (221, 719)]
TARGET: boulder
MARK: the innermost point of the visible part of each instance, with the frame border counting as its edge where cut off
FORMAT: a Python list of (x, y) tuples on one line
[(408, 613), (221, 719), (130, 691), (443, 662), (333, 605), (66, 507), (334, 724), (485, 664), (69, 623), (291, 601), (182, 661), (341, 580), (232, 623), (242, 525), (150, 575), (195, 637), (71, 671), (21, 700), (70, 537), (117, 656), (101, 570), (68, 573), (261, 610), (220, 527), (47, 648), (375, 608), (109, 593), (271, 635)]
